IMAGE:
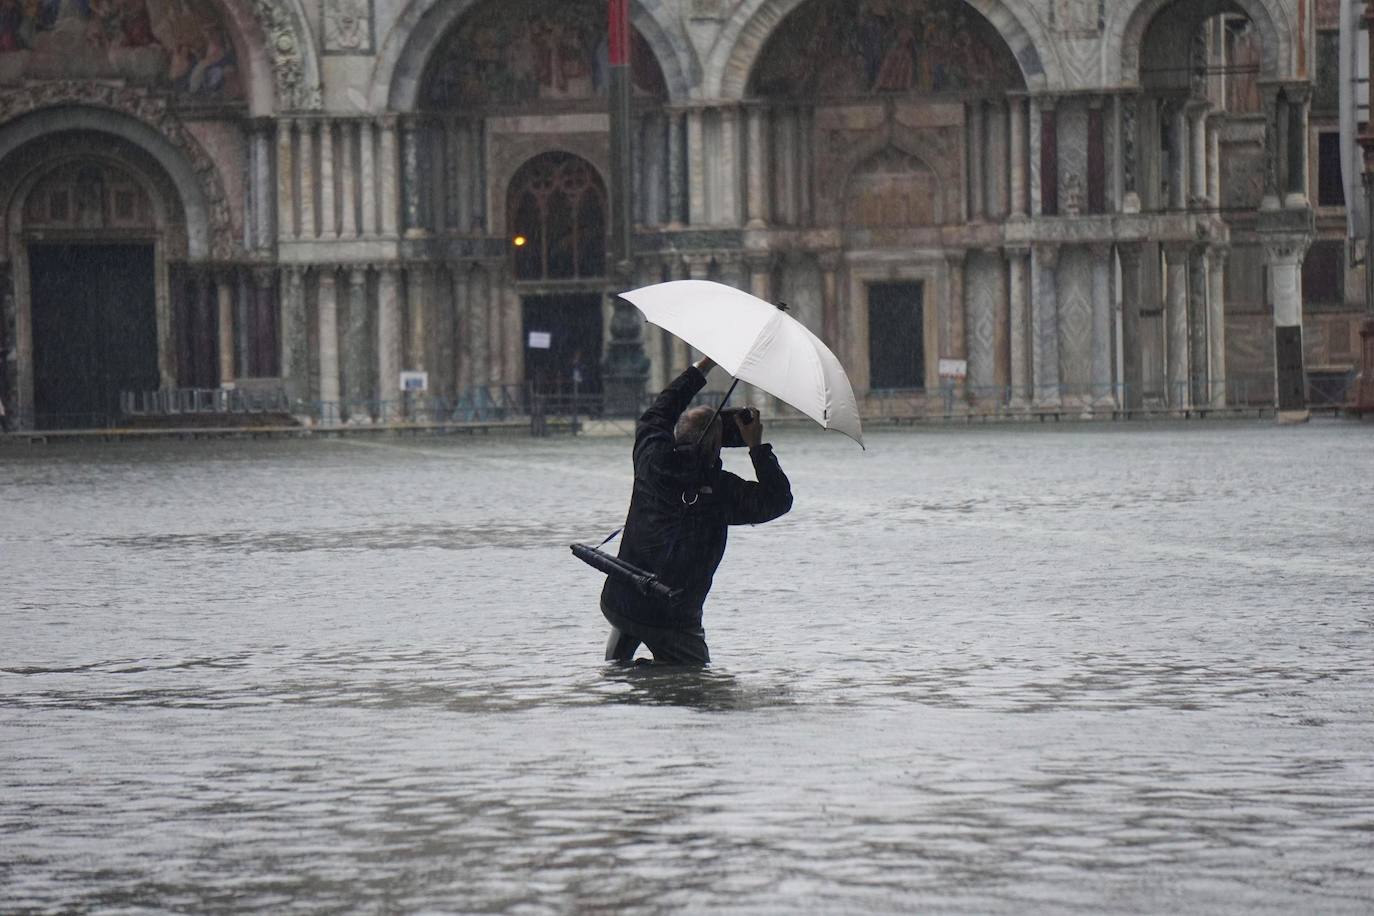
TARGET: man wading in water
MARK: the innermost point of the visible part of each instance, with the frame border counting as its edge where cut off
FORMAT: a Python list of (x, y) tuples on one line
[(681, 507)]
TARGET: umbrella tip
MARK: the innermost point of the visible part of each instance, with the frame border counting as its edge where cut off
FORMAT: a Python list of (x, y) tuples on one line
[(783, 306)]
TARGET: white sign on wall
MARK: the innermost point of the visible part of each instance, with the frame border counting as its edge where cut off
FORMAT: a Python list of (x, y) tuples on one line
[(414, 381), (954, 368), (541, 340)]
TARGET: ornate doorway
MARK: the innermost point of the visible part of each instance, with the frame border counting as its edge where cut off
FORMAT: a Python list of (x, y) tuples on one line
[(95, 329)]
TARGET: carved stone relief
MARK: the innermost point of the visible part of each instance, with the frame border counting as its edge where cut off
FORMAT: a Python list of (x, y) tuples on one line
[(150, 109), (284, 36), (347, 26)]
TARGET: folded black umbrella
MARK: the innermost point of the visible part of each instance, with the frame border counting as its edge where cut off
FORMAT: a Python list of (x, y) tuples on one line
[(645, 582)]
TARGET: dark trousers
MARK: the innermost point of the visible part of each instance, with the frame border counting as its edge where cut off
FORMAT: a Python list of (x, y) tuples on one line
[(670, 645)]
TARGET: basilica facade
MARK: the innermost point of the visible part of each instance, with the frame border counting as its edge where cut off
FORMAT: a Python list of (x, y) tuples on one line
[(991, 204)]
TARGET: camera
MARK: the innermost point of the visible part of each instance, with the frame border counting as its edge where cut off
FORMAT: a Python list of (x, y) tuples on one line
[(729, 430)]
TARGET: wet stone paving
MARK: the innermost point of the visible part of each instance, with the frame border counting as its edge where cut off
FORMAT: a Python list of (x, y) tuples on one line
[(1085, 669)]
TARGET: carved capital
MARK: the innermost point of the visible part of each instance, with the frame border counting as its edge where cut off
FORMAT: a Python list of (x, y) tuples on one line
[(284, 47)]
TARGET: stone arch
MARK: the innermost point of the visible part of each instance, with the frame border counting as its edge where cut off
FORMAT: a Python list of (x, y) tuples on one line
[(285, 50), (144, 122), (23, 178), (905, 142), (423, 25), (566, 192), (525, 150), (743, 39), (1127, 25), (920, 177)]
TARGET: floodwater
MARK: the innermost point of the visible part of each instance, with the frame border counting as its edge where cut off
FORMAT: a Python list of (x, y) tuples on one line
[(1115, 669)]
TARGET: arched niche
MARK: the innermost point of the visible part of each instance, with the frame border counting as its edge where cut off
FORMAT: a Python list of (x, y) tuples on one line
[(529, 55), (112, 214), (734, 70), (556, 209), (893, 189), (837, 49), (415, 46), (197, 187), (1129, 25)]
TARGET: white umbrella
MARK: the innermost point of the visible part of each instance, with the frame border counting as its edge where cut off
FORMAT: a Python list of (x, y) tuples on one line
[(756, 342)]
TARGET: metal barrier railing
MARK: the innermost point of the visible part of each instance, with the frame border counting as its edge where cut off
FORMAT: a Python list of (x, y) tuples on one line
[(519, 403), (176, 401)]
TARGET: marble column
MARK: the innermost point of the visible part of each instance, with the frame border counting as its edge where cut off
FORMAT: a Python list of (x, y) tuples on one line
[(1034, 123), (1045, 325), (389, 177), (1216, 325), (286, 182), (348, 214), (357, 355), (757, 194), (329, 220), (367, 174), (975, 184), (1177, 325), (1016, 131), (995, 171), (496, 351), (1214, 162), (1048, 148), (1130, 161), (727, 162), (455, 211), (1132, 369), (1018, 318), (264, 340), (327, 318), (1284, 253), (1199, 334), (263, 185), (462, 326), (418, 284), (1271, 200), (1179, 132), (1102, 377), (696, 174), (389, 361), (306, 135), (411, 179), (293, 337), (1197, 121), (224, 301), (1299, 98), (512, 347), (479, 298), (677, 170)]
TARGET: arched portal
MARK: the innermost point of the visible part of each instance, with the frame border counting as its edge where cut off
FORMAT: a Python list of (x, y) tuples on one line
[(556, 214), (904, 124), (91, 226), (1217, 134)]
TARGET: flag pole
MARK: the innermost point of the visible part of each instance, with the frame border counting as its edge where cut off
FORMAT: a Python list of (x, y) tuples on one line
[(626, 366)]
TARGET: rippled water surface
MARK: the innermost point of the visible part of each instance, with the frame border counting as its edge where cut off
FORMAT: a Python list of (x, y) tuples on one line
[(1111, 669)]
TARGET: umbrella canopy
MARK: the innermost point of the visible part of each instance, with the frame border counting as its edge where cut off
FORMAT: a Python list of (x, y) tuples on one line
[(756, 342)]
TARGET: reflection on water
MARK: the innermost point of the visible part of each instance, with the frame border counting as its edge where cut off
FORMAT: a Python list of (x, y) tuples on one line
[(1004, 670)]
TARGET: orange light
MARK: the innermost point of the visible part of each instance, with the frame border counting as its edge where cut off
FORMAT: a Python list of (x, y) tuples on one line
[(519, 241)]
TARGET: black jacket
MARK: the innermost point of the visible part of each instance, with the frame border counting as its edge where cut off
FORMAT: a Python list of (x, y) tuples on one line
[(680, 511)]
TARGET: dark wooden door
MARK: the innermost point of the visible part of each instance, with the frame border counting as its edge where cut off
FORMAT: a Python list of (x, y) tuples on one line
[(94, 330)]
